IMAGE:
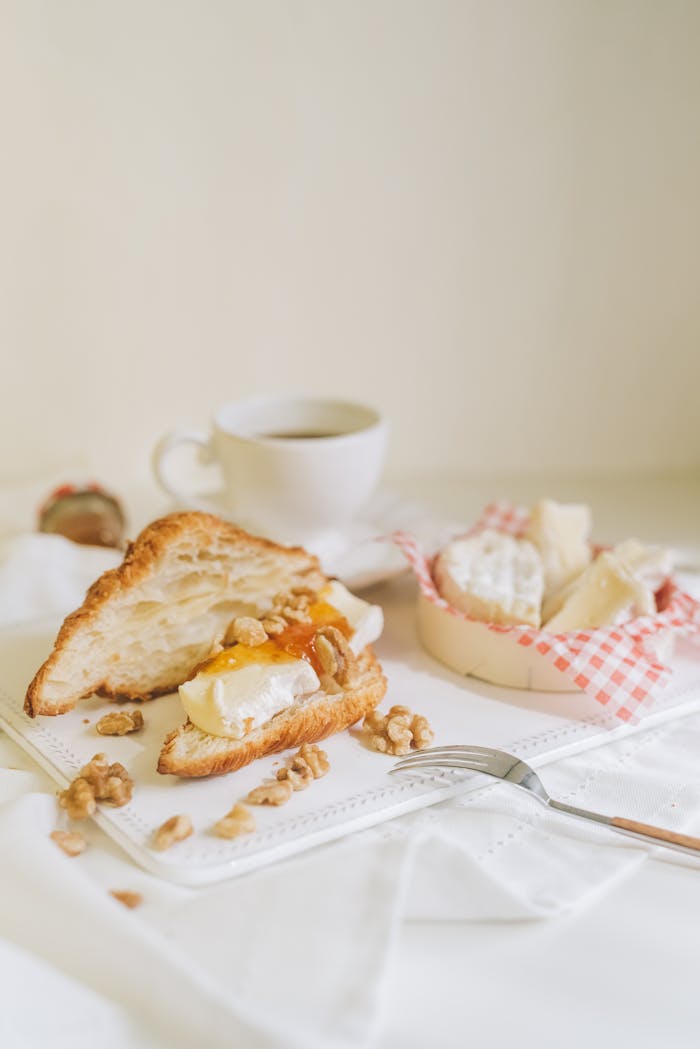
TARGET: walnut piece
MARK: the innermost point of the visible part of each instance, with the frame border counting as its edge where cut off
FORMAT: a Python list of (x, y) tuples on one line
[(337, 658), (274, 625), (118, 790), (315, 758), (308, 764), (423, 734), (397, 732), (108, 782), (129, 899), (296, 600), (288, 607), (78, 799), (297, 772), (327, 655), (246, 631), (239, 820), (276, 793), (120, 723), (177, 828), (71, 841)]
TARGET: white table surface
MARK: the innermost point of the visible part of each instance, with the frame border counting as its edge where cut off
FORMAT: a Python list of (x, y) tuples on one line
[(621, 971)]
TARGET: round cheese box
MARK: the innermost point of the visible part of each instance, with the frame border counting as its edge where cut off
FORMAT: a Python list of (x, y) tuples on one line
[(471, 648)]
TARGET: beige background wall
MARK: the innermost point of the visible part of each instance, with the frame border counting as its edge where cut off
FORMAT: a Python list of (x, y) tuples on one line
[(482, 216)]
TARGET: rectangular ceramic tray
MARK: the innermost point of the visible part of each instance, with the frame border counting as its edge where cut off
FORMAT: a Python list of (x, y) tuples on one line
[(357, 792)]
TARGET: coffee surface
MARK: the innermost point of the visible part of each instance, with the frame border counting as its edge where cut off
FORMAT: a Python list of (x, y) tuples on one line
[(296, 435)]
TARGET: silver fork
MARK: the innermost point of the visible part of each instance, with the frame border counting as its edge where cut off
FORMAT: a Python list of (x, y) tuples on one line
[(507, 767)]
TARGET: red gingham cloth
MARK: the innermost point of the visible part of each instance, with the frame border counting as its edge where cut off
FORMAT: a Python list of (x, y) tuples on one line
[(609, 663)]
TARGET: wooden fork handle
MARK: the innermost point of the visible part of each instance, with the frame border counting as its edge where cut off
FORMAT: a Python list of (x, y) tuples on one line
[(656, 834)]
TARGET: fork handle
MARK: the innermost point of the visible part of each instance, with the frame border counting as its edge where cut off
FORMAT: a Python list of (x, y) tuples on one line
[(670, 839), (658, 835)]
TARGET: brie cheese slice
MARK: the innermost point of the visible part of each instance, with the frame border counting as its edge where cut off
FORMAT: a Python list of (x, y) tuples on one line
[(651, 565), (235, 701), (607, 593), (492, 577), (366, 620), (560, 532)]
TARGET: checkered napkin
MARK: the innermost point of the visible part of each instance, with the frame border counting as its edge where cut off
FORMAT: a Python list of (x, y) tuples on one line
[(613, 664)]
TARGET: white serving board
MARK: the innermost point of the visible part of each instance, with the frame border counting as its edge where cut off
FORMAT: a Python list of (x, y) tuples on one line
[(357, 792)]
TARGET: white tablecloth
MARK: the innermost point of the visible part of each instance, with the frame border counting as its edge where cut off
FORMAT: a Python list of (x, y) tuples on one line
[(479, 919)]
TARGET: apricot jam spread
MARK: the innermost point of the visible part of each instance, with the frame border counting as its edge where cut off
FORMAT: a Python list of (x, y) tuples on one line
[(297, 641)]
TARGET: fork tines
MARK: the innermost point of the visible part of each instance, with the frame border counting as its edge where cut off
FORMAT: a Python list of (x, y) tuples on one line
[(475, 758)]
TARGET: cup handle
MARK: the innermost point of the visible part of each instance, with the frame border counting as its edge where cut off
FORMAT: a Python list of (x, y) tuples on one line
[(159, 462)]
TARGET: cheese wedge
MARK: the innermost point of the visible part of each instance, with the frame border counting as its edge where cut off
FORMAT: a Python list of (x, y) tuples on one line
[(651, 565), (560, 532), (554, 600), (234, 701), (607, 593), (492, 577), (366, 620)]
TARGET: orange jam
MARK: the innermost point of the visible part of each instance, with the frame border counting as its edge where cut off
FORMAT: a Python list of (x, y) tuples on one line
[(297, 641), (238, 656)]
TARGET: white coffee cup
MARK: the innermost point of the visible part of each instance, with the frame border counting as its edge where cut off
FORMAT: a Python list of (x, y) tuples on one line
[(293, 467)]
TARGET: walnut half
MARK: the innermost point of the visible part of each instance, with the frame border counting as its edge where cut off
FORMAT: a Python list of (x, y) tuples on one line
[(108, 782), (336, 656), (120, 723), (315, 758), (308, 764), (397, 732)]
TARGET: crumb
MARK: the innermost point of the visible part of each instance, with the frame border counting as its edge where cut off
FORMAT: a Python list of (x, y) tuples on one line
[(71, 842), (129, 899)]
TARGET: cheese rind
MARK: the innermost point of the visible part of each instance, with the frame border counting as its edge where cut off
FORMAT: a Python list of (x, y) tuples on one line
[(607, 593), (493, 577), (560, 531)]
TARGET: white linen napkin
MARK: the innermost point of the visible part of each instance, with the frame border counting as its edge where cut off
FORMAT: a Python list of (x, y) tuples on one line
[(295, 954)]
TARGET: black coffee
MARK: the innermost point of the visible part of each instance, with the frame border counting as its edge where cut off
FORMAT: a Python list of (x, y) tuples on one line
[(300, 435)]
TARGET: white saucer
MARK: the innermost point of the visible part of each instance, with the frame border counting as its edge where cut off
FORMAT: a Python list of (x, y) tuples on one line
[(361, 554)]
